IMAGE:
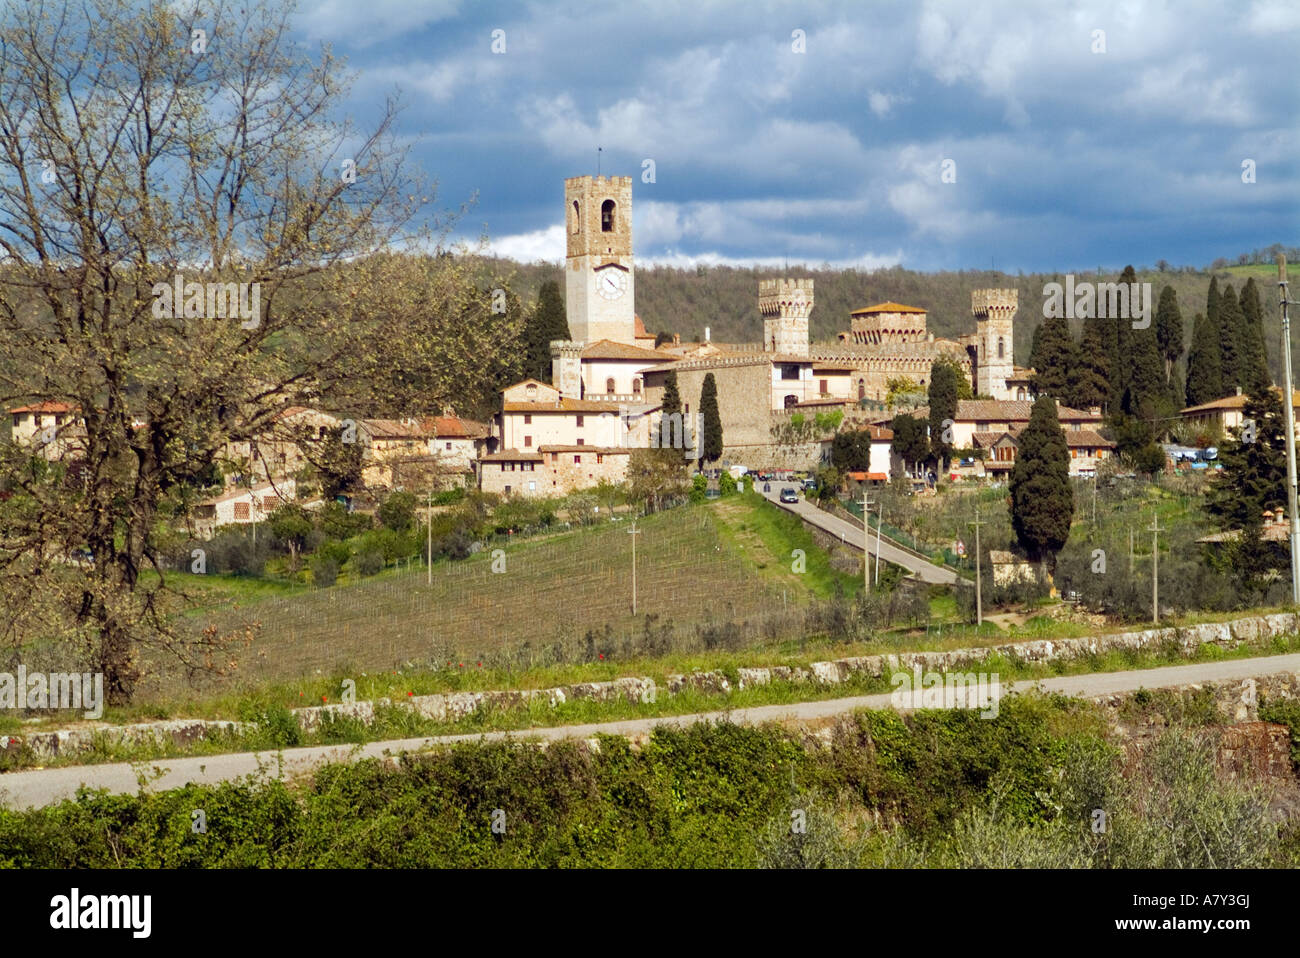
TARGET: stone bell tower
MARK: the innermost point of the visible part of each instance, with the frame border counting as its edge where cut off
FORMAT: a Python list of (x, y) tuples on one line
[(994, 311), (785, 305), (598, 276)]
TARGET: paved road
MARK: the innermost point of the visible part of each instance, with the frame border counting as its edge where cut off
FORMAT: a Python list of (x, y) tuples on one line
[(47, 786), (851, 534)]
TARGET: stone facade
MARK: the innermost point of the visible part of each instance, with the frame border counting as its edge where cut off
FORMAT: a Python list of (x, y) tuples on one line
[(599, 280), (785, 305), (994, 311)]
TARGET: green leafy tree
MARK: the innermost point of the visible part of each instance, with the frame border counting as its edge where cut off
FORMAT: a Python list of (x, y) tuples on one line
[(712, 445), (1147, 391), (672, 401), (943, 410), (1056, 359), (1254, 464), (397, 512), (292, 524), (851, 450), (1204, 371), (1089, 385), (1234, 342), (1256, 374), (546, 322), (1169, 330), (910, 442), (960, 376), (1042, 502)]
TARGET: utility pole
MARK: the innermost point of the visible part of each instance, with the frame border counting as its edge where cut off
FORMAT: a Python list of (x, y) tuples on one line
[(880, 521), (1155, 568), (866, 544), (429, 517), (633, 532), (979, 584), (1094, 498), (1287, 397)]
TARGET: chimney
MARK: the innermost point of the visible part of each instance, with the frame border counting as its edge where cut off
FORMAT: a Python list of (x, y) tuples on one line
[(706, 337), (1238, 390)]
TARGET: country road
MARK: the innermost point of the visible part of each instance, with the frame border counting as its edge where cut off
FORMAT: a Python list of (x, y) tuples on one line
[(41, 787), (851, 534)]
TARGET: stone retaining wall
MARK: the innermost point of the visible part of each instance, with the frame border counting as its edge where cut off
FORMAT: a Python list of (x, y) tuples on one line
[(453, 706)]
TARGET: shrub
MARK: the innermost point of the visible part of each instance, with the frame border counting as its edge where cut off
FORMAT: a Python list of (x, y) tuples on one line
[(397, 512), (369, 563), (324, 571)]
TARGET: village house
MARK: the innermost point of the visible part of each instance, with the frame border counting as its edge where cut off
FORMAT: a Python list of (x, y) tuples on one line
[(243, 506), (1218, 418), (54, 429), (442, 451)]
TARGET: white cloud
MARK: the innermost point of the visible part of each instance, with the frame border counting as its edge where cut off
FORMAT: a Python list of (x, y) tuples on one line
[(363, 22), (544, 244)]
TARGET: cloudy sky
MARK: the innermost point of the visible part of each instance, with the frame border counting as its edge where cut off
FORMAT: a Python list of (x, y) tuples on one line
[(822, 132)]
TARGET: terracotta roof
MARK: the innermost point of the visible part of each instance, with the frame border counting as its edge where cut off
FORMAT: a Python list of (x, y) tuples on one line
[(868, 476), (989, 438), (826, 401), (604, 450), (1004, 410), (607, 349), (46, 406), (639, 332), (832, 367), (398, 429), (887, 308), (1075, 438), (1235, 402), (454, 427), (564, 405), (511, 455)]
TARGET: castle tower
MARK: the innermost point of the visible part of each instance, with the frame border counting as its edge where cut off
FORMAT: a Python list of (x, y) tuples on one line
[(598, 278), (785, 305), (994, 311), (566, 368)]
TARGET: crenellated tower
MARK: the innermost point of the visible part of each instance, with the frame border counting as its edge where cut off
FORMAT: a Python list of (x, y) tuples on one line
[(785, 305), (994, 311)]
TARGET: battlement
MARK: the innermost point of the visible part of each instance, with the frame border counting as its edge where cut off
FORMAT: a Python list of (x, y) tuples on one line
[(609, 182), (787, 298), (568, 349), (986, 301)]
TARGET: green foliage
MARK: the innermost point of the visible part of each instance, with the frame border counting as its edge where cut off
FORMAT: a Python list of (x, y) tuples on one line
[(1169, 330), (397, 512), (1055, 357), (726, 484), (711, 450), (324, 571), (910, 442), (672, 400), (1204, 367), (1254, 473), (943, 409), (851, 451), (546, 321), (699, 487), (1042, 501)]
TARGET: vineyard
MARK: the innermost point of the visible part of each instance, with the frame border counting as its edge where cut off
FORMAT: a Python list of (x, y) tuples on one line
[(691, 572)]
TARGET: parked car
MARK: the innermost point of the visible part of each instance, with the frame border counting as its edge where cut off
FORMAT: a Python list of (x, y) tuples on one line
[(789, 495), (767, 487), (810, 483)]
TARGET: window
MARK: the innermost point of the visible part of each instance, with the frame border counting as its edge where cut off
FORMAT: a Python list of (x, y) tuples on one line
[(789, 371), (577, 219), (686, 408), (609, 384), (528, 419), (531, 390), (824, 389), (528, 442), (862, 389), (636, 386), (579, 423), (790, 401), (241, 510), (600, 457), (1020, 394), (607, 216), (532, 486), (1002, 347), (577, 459), (507, 490), (448, 445), (581, 442)]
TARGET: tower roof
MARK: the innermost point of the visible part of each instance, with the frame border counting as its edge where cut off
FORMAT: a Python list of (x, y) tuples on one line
[(887, 308)]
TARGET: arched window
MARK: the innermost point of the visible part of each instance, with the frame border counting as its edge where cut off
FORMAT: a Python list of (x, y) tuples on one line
[(636, 385), (1002, 348), (577, 219), (862, 389), (1020, 394), (791, 401), (607, 216), (609, 384)]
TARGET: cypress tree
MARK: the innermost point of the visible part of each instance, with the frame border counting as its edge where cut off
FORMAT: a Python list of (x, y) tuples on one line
[(1057, 357), (1204, 373), (712, 447), (910, 443), (943, 409), (1234, 348), (546, 322), (1121, 366), (1254, 473), (1169, 330), (1252, 311), (672, 401), (1035, 345), (1146, 394), (1042, 502), (1089, 385)]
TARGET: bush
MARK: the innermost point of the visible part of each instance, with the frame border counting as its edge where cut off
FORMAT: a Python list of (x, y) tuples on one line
[(324, 571), (397, 512), (726, 484), (699, 487), (369, 563)]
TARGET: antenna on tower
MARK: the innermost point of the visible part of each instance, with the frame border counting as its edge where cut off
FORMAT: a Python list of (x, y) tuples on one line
[(598, 162)]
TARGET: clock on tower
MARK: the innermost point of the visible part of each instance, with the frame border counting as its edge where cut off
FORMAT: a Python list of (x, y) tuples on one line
[(599, 279)]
